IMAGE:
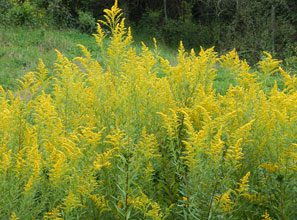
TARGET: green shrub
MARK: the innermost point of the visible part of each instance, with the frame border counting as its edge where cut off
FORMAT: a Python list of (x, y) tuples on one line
[(4, 7), (60, 14), (25, 14), (192, 34), (150, 24), (86, 22)]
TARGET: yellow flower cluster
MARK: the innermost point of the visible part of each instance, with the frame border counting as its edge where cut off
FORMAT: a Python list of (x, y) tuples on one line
[(129, 135)]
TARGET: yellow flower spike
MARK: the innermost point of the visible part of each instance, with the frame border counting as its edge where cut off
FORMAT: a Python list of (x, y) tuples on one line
[(216, 146), (70, 148), (59, 169), (54, 214), (129, 37), (102, 160), (236, 68), (184, 198), (20, 162), (100, 202), (13, 216), (243, 131), (5, 162), (224, 202), (148, 146), (149, 171), (148, 207), (234, 154), (112, 16), (42, 69), (243, 186), (117, 139), (155, 43), (99, 36), (90, 136), (181, 52), (71, 201), (171, 122), (29, 184), (85, 51), (266, 216), (2, 91), (270, 167), (268, 66), (290, 81)]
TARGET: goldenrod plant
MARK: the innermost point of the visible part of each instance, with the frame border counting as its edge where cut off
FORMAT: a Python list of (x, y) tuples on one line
[(132, 136)]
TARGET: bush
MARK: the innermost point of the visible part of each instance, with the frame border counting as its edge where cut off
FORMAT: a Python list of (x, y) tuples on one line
[(150, 23), (25, 14), (60, 14), (173, 30), (192, 34), (86, 22), (4, 7)]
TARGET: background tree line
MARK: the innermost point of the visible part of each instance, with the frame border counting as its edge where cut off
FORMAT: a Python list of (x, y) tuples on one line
[(250, 26)]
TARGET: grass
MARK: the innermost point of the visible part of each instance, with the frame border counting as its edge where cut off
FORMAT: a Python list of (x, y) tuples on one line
[(22, 47)]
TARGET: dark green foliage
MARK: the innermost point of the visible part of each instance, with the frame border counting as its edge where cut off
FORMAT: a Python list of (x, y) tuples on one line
[(249, 26), (87, 22), (60, 13), (20, 13), (4, 7)]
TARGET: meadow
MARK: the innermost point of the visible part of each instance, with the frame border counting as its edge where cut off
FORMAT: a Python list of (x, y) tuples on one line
[(114, 129), (22, 47)]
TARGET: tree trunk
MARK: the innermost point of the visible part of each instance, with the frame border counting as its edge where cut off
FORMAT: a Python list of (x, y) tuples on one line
[(273, 28), (165, 10)]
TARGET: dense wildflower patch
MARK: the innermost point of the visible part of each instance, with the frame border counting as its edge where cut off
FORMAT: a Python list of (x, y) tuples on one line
[(132, 136)]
